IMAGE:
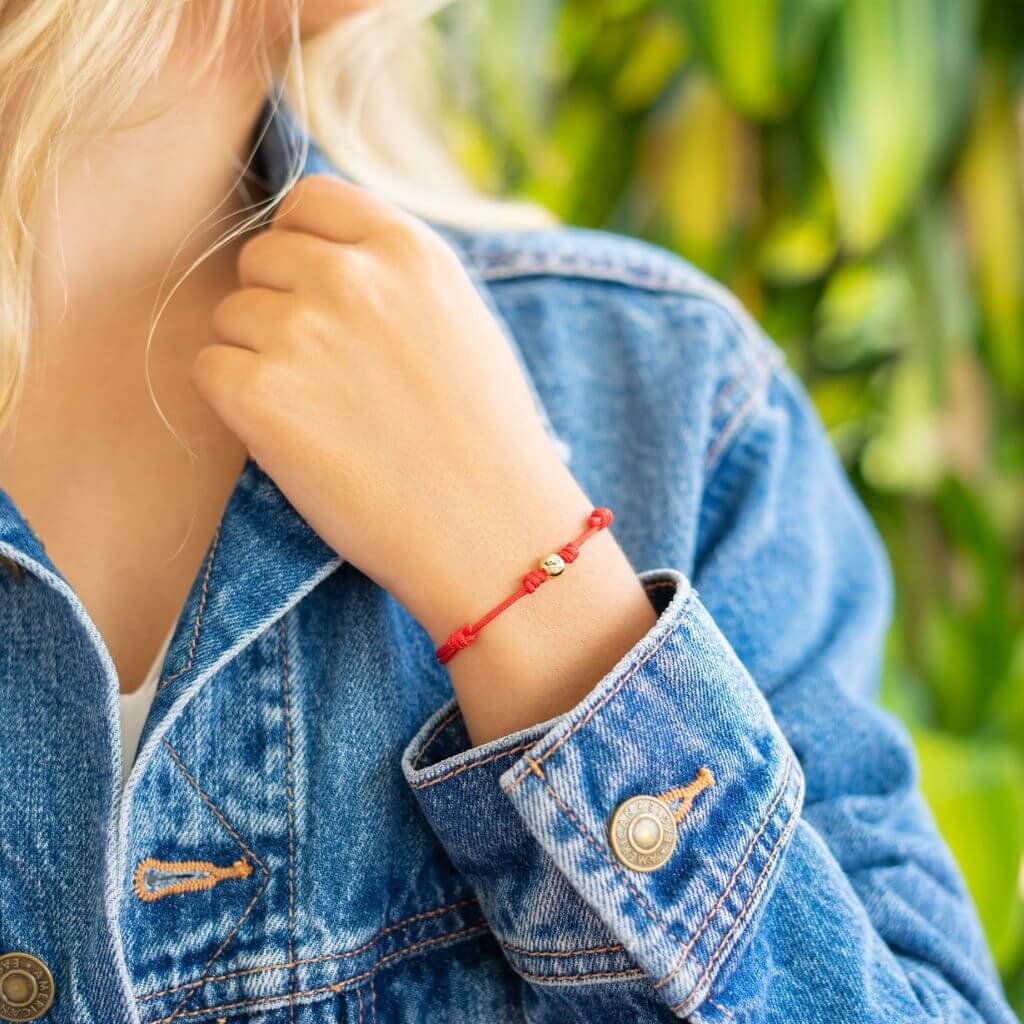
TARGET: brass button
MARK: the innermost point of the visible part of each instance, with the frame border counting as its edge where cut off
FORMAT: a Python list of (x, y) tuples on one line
[(643, 833), (26, 987)]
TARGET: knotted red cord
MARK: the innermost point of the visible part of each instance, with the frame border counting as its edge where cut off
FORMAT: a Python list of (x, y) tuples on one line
[(462, 638)]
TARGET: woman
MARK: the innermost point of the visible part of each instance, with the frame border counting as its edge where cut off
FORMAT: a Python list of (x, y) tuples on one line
[(645, 782)]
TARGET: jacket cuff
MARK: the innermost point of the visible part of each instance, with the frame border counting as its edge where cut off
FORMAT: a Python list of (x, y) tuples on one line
[(640, 833)]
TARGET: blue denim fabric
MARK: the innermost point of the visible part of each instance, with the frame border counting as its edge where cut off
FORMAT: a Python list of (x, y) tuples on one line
[(307, 835)]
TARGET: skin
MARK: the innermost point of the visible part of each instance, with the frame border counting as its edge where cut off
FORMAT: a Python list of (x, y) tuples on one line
[(408, 438)]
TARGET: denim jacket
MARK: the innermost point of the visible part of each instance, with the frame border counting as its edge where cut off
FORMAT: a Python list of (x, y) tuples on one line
[(726, 829)]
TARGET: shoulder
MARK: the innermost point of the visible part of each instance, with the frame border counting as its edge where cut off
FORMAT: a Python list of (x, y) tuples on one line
[(614, 270), (588, 255), (583, 286)]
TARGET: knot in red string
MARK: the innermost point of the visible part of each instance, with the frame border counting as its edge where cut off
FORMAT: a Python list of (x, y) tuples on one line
[(569, 553), (462, 638), (600, 518), (458, 641), (532, 580)]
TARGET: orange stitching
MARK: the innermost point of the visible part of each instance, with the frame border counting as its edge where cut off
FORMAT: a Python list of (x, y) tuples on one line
[(373, 1002), (203, 593), (722, 1009), (176, 1012), (438, 729), (337, 986), (732, 878), (291, 810), (751, 896), (324, 957), (688, 793), (359, 996), (616, 948), (631, 972), (426, 783), (604, 700), (207, 875)]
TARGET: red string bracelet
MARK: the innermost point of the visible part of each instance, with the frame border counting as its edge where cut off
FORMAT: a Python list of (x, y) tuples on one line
[(553, 565)]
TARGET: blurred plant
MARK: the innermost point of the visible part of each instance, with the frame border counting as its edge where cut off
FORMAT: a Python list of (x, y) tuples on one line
[(854, 169)]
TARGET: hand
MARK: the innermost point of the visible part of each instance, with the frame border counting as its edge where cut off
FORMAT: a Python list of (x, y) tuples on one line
[(366, 376)]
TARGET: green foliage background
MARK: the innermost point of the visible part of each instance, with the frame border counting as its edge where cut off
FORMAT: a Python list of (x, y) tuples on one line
[(854, 169)]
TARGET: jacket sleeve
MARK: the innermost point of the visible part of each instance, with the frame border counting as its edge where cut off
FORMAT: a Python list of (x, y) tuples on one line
[(782, 865)]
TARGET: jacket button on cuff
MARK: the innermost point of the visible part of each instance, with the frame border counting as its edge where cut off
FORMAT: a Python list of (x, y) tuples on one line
[(642, 833), (26, 987)]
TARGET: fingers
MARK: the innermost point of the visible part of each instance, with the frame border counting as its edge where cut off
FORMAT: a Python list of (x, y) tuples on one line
[(224, 376), (282, 259), (336, 210), (252, 318)]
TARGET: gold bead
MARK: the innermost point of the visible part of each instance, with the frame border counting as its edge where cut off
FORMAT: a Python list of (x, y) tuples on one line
[(553, 565)]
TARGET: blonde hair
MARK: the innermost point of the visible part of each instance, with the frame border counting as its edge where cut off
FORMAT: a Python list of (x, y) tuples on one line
[(361, 88)]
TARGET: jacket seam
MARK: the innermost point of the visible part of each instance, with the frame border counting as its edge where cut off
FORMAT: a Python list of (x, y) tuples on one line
[(337, 986), (322, 958), (198, 623), (688, 284), (733, 879), (740, 414), (427, 783), (431, 739), (557, 979), (290, 805), (196, 985), (755, 892), (724, 1010), (616, 947)]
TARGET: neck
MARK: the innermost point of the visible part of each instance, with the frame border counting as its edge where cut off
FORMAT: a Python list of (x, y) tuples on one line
[(133, 204)]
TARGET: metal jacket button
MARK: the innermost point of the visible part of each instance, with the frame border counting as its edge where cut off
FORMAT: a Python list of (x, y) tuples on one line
[(26, 987), (642, 833)]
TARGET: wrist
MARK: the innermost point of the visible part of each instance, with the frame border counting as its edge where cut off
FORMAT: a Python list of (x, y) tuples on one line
[(542, 656), (543, 653), (482, 555)]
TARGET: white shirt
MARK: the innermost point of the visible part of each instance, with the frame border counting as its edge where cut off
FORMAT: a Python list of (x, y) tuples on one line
[(135, 707)]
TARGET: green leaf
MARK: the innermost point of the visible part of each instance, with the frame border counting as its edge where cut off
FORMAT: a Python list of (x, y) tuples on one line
[(862, 313), (896, 78), (990, 176), (976, 790), (691, 176), (761, 52)]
